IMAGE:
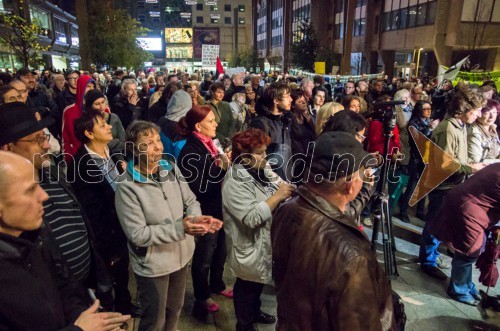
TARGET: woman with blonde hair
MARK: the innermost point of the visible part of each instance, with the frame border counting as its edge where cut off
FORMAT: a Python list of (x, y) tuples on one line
[(324, 113), (198, 100)]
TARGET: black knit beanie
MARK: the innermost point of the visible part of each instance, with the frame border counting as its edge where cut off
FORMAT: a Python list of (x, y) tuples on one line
[(92, 96)]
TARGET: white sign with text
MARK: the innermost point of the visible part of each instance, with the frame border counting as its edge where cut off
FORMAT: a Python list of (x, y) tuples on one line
[(209, 55)]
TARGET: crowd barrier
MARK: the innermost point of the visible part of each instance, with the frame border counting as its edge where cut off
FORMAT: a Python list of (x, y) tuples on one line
[(333, 78)]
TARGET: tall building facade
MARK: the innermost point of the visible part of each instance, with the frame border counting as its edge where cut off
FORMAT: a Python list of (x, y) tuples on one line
[(397, 36), (179, 28), (61, 34)]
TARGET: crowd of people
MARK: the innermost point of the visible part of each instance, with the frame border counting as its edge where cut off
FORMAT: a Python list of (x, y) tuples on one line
[(268, 175)]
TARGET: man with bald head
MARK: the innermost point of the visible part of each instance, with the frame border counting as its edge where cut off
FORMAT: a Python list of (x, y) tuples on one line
[(21, 133), (18, 189), (28, 274), (236, 80)]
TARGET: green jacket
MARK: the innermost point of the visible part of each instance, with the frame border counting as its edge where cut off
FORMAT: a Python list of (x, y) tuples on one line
[(451, 136), (225, 120)]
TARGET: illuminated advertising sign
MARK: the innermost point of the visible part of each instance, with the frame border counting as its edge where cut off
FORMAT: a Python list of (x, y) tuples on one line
[(178, 35), (177, 52), (150, 44), (204, 36)]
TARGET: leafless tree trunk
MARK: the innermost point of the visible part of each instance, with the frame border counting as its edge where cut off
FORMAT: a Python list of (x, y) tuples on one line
[(473, 35), (83, 32)]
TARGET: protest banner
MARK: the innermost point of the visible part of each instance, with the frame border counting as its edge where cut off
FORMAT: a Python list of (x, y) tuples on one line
[(209, 55)]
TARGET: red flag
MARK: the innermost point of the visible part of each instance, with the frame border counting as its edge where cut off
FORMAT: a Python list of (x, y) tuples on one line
[(219, 67)]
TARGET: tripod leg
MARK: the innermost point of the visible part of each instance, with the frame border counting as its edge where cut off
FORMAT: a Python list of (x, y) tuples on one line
[(390, 237), (375, 211)]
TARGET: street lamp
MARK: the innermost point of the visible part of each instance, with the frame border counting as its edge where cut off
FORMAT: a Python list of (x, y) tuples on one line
[(418, 60)]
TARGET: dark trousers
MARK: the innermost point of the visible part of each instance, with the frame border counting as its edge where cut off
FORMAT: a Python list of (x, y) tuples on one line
[(117, 262), (208, 263), (415, 169), (120, 274), (246, 303), (162, 299)]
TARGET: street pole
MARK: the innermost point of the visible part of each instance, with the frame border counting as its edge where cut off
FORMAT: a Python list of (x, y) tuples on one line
[(418, 60), (412, 61)]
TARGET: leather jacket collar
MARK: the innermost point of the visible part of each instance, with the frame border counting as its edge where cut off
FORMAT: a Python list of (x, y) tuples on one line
[(329, 210)]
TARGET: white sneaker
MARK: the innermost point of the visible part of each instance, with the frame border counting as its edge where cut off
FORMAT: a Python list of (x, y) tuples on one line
[(367, 221), (442, 264)]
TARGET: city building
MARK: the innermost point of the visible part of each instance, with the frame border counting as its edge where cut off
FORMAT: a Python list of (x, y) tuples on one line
[(60, 32), (179, 28), (400, 37)]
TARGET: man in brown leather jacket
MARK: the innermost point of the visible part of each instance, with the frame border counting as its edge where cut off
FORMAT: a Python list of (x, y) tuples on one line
[(326, 274)]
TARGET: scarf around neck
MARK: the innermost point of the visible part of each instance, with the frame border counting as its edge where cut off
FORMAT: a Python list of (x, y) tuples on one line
[(208, 143)]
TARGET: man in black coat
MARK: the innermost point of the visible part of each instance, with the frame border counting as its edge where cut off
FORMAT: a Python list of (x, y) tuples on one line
[(39, 100), (236, 80), (273, 110), (68, 95), (34, 295), (69, 233)]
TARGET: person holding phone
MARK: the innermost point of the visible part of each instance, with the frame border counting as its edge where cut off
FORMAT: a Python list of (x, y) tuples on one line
[(250, 193)]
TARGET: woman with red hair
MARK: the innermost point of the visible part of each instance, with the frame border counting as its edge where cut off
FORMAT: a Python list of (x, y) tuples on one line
[(204, 168), (251, 191)]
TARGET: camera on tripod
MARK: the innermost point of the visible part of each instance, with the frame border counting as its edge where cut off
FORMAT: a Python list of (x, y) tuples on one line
[(385, 112)]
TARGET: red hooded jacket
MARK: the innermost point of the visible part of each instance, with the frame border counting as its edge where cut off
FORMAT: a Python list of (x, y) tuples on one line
[(70, 114), (376, 138)]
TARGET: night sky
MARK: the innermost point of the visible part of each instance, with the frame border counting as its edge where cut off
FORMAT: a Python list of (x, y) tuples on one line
[(67, 5)]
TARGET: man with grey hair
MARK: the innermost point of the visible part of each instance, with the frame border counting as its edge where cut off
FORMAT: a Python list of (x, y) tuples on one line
[(127, 107), (307, 86), (343, 287), (58, 85), (241, 114)]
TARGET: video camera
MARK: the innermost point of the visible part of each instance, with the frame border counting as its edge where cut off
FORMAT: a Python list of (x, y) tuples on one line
[(384, 112)]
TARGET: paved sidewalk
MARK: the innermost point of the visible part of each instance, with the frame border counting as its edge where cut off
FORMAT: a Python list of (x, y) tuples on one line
[(427, 305)]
